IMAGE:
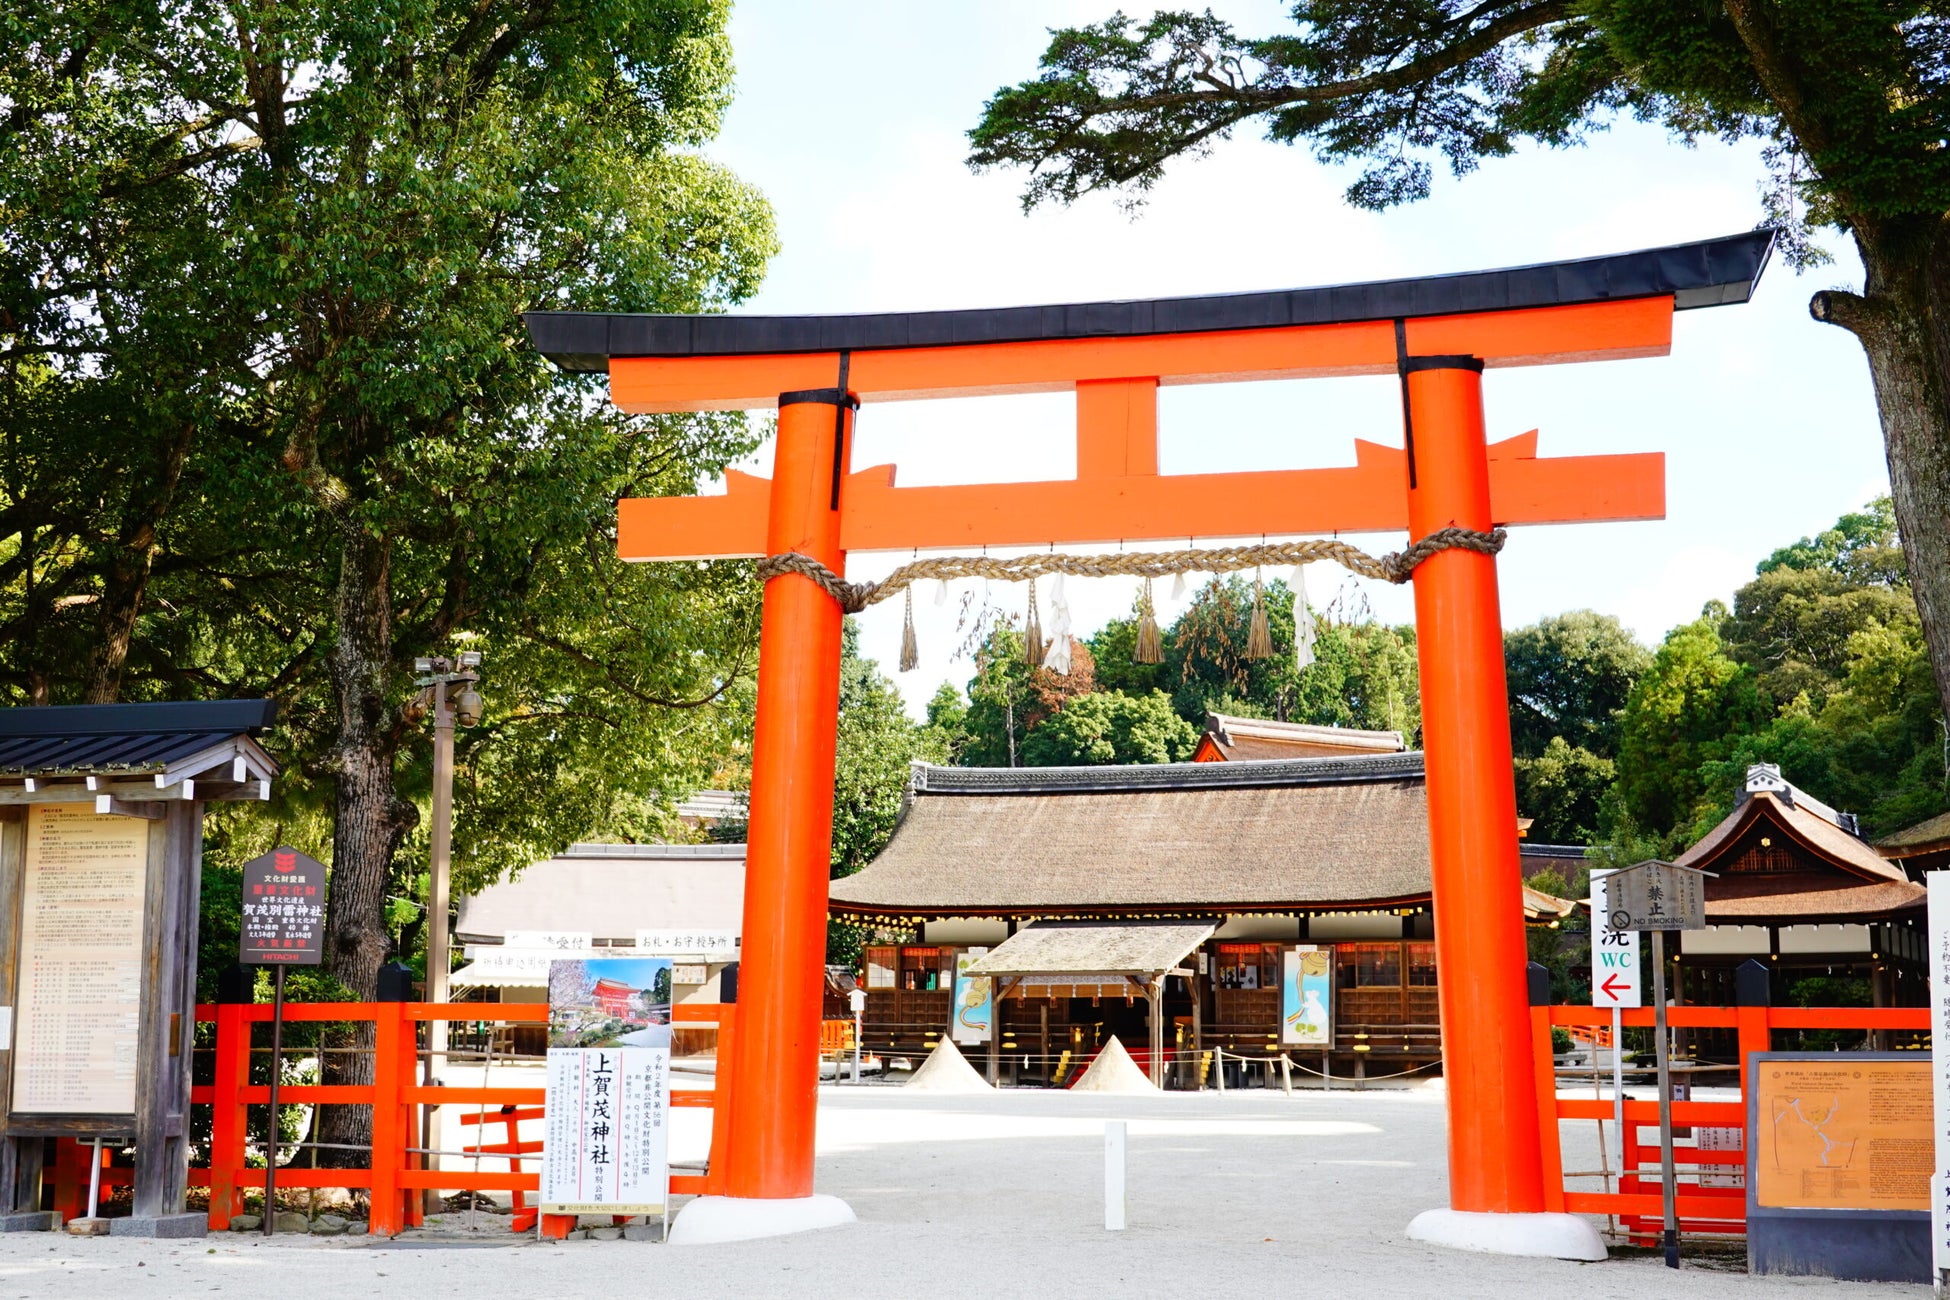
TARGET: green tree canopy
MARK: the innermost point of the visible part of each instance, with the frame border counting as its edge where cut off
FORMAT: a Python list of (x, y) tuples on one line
[(1851, 102), (1687, 709), (1569, 676), (1111, 727)]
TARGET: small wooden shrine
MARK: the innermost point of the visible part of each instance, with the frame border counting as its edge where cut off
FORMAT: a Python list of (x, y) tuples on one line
[(1795, 885)]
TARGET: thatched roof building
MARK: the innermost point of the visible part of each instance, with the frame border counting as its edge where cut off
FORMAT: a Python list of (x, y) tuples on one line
[(1284, 837)]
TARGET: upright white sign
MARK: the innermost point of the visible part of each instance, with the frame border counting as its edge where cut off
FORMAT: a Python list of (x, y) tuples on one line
[(80, 969), (1614, 954), (606, 1132), (1939, 886)]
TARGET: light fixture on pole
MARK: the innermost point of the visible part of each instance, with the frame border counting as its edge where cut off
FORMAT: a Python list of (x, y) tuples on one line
[(447, 691)]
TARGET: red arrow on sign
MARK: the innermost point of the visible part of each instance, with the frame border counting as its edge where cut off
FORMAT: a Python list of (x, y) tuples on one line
[(1607, 989)]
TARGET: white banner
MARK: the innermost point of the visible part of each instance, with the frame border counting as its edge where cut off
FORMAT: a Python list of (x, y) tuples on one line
[(606, 1130), (1614, 954), (719, 945), (1939, 886)]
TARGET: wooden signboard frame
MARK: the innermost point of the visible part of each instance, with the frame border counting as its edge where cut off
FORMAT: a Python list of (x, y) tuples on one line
[(159, 1123)]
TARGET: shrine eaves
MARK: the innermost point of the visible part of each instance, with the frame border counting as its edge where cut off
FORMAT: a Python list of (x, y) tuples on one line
[(1115, 356)]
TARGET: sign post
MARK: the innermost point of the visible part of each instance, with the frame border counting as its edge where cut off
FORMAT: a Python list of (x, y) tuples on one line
[(1659, 896), (1615, 984), (283, 925), (1939, 923)]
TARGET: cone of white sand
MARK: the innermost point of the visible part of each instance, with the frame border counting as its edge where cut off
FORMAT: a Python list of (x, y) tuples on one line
[(1113, 1071), (947, 1070)]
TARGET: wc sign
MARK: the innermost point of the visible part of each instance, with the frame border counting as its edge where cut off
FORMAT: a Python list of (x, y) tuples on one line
[(1614, 954)]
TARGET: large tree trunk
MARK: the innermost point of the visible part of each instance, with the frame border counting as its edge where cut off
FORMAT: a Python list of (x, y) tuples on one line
[(1902, 319), (370, 818)]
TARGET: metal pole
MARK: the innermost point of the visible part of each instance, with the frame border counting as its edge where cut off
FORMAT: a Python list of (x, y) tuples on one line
[(438, 944), (271, 1148), (1667, 1180), (439, 957)]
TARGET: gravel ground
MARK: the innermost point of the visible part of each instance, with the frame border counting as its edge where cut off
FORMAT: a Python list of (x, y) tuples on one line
[(1250, 1192)]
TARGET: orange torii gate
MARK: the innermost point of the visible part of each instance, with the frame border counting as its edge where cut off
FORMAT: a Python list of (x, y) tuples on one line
[(1437, 334)]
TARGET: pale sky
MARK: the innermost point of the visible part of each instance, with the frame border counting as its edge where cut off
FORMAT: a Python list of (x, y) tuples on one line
[(850, 117)]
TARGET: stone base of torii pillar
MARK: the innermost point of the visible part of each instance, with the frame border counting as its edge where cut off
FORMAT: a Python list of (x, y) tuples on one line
[(1544, 1236), (710, 1220)]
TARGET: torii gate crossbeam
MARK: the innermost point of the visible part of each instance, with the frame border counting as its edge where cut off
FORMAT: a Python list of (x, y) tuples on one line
[(1437, 334)]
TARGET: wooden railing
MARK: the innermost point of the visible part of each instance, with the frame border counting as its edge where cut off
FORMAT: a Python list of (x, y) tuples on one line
[(1637, 1202), (396, 1169)]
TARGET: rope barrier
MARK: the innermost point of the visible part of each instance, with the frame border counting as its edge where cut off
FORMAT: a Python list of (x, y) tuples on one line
[(1395, 567)]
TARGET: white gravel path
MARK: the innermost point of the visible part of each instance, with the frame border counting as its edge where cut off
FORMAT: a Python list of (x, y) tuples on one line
[(1246, 1193)]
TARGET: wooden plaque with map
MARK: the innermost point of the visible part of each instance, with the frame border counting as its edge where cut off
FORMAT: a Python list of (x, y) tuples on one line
[(1840, 1132)]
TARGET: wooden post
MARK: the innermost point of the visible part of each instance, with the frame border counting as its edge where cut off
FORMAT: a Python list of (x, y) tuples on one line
[(1196, 985), (1042, 1044), (389, 1126), (1154, 995), (228, 1113), (168, 1014)]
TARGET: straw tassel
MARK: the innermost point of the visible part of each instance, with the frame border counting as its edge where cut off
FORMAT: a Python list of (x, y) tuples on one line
[(1150, 646), (1058, 658), (1033, 646), (910, 649), (1259, 637)]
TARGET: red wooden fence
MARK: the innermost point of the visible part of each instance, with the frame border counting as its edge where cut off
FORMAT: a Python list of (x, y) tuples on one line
[(1637, 1202), (393, 1175)]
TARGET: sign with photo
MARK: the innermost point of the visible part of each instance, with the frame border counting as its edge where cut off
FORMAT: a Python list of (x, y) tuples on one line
[(1307, 997), (609, 1002)]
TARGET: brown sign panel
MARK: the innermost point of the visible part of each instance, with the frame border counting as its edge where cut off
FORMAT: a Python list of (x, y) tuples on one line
[(284, 910), (1841, 1133), (1656, 896)]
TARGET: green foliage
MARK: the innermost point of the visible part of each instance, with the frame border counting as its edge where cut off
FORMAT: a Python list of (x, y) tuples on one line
[(877, 743), (1111, 727), (270, 424), (1569, 678), (1683, 713), (1563, 791), (1399, 88)]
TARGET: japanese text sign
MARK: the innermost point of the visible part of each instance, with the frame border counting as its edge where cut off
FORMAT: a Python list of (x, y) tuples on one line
[(284, 910), (606, 1131), (1656, 896), (1614, 953)]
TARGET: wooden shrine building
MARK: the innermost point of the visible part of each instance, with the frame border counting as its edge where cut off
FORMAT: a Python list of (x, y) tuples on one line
[(101, 850), (1259, 857), (1795, 885)]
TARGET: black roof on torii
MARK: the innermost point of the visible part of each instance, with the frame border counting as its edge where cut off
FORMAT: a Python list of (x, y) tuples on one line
[(1709, 273)]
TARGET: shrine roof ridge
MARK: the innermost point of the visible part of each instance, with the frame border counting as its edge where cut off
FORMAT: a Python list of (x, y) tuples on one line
[(1706, 273), (929, 778)]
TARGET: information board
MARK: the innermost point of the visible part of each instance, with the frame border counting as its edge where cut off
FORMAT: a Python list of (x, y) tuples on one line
[(79, 991), (1841, 1133), (605, 1141), (283, 920)]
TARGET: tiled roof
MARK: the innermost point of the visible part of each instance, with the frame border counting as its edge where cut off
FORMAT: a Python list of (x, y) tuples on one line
[(121, 738)]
